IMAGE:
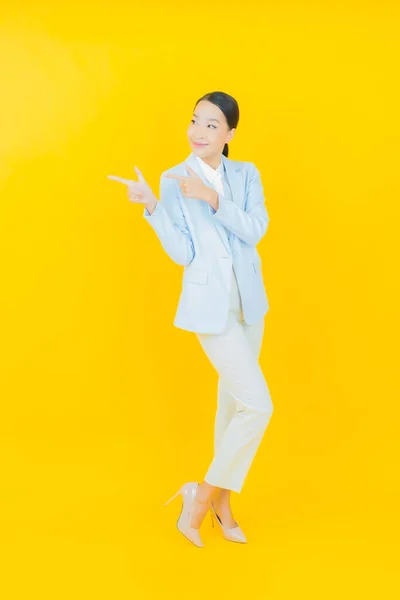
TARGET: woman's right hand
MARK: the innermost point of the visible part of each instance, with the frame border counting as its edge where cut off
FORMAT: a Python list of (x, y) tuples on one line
[(139, 191)]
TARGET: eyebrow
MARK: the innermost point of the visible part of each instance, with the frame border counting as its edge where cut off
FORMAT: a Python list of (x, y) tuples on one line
[(207, 119)]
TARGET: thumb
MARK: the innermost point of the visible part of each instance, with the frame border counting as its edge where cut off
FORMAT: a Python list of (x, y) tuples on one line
[(139, 174)]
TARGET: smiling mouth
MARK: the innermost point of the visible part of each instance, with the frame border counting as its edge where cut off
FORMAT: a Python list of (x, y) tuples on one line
[(199, 144)]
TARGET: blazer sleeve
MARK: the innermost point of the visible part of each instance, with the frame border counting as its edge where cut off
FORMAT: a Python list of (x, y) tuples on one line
[(169, 223), (249, 224)]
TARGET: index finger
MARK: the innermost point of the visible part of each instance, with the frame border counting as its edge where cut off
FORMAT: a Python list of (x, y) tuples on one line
[(181, 177), (121, 179)]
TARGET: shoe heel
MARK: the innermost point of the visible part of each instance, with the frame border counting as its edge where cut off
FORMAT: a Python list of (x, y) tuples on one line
[(174, 496)]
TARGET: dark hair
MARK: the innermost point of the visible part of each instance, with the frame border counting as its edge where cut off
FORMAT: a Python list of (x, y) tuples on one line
[(228, 106)]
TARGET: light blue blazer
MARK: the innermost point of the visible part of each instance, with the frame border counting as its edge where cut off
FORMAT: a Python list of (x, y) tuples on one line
[(195, 236)]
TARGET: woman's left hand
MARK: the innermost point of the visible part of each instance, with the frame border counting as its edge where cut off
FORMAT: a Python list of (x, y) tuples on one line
[(192, 186)]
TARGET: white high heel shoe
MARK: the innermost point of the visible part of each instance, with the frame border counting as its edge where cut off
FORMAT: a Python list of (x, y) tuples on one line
[(188, 492), (235, 534)]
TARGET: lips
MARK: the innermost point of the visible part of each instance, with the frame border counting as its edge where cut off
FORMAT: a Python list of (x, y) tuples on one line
[(196, 144)]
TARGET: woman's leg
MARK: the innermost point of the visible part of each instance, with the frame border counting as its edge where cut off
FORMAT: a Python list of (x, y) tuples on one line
[(232, 356), (226, 408), (227, 404)]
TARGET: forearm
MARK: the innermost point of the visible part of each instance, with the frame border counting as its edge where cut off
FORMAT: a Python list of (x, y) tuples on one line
[(249, 223), (249, 227), (176, 242)]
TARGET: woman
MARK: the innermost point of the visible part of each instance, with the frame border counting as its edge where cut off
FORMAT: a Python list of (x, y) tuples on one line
[(210, 217)]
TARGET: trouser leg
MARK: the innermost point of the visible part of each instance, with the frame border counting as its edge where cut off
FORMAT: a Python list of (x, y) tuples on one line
[(232, 356), (226, 405)]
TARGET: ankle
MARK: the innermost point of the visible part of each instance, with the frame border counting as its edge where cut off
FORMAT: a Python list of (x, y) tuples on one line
[(206, 493)]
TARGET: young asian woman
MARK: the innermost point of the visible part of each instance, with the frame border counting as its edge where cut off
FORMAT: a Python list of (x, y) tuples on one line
[(210, 217)]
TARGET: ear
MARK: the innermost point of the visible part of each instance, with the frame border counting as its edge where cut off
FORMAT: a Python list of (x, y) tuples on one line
[(231, 135)]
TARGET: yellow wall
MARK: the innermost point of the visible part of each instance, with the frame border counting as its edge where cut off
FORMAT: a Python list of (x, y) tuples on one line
[(106, 408)]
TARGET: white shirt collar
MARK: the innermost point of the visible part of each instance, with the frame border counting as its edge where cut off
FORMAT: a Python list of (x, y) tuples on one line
[(208, 171)]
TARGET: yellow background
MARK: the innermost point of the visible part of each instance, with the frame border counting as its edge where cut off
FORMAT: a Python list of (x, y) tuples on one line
[(106, 408)]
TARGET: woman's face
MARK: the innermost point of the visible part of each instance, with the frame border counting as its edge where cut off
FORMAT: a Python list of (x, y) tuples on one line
[(208, 130)]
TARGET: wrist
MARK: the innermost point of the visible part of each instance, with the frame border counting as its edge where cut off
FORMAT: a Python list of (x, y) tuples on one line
[(212, 198), (151, 207)]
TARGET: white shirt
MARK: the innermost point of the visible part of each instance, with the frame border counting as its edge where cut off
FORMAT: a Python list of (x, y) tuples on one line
[(213, 176)]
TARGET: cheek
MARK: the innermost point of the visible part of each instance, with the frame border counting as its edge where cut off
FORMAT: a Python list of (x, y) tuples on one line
[(218, 139)]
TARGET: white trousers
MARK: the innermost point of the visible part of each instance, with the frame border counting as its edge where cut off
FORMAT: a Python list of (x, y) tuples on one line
[(244, 405)]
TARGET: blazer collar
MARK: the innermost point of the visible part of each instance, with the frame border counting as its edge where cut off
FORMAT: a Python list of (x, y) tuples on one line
[(210, 172), (233, 173)]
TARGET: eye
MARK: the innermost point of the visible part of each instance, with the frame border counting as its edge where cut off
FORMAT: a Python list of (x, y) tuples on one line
[(210, 125)]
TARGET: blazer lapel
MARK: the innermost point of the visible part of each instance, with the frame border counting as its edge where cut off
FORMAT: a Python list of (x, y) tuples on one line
[(235, 177)]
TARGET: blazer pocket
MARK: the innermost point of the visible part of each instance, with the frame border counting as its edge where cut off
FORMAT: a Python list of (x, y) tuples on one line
[(195, 275)]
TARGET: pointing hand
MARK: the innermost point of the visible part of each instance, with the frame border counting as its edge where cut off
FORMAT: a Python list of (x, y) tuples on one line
[(192, 186), (138, 191)]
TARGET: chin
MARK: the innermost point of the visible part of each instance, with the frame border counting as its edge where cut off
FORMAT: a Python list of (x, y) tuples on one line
[(202, 151)]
